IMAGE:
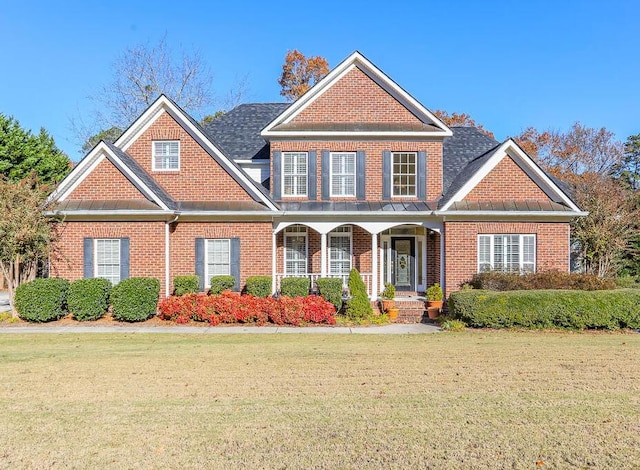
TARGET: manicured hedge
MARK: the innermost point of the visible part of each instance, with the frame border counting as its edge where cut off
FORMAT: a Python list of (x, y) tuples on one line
[(219, 284), (295, 286), (330, 288), (186, 284), (358, 306), (42, 300), (610, 309), (135, 299), (541, 280), (259, 286), (89, 298)]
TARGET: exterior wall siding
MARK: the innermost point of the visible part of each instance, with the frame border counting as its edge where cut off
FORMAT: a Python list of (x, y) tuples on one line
[(106, 182)]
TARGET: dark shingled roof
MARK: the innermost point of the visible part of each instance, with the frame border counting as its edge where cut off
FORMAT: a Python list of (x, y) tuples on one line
[(237, 133)]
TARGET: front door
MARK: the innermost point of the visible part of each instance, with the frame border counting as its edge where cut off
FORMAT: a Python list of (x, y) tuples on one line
[(403, 273)]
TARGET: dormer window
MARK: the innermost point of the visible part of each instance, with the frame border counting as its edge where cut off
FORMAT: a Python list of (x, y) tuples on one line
[(166, 155)]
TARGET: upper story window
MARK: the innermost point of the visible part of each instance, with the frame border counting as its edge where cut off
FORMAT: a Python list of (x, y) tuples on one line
[(404, 173), (294, 170), (343, 174), (166, 155), (507, 253)]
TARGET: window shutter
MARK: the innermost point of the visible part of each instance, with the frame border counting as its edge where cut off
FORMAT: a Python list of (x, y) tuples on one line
[(88, 258), (386, 175), (124, 258), (312, 185), (360, 175), (422, 175), (326, 177), (276, 178), (199, 251), (234, 262)]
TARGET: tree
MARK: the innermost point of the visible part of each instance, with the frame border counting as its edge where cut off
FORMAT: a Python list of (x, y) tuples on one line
[(27, 234), (463, 119), (629, 168), (109, 135), (23, 153), (300, 73)]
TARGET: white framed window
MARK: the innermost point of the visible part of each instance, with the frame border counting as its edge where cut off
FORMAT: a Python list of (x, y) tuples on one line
[(514, 253), (294, 173), (107, 259), (343, 173), (218, 258), (295, 250), (340, 247), (166, 155), (404, 169)]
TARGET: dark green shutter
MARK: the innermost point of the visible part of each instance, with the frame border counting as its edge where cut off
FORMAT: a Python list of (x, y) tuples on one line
[(422, 175), (276, 177), (234, 266), (124, 258), (312, 186), (386, 175), (199, 252), (360, 175), (326, 177), (88, 258)]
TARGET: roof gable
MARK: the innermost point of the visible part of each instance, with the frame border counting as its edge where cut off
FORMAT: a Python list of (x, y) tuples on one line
[(101, 183)]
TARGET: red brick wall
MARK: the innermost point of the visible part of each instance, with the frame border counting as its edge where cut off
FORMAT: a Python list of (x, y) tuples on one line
[(433, 258), (106, 182), (355, 98), (506, 181), (373, 163), (200, 177), (461, 246), (146, 247)]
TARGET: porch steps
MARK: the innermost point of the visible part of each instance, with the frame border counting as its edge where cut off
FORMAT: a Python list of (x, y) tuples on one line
[(411, 309)]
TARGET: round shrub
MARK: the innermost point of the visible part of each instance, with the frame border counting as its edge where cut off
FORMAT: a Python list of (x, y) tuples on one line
[(259, 286), (89, 298), (330, 288), (186, 285), (219, 284), (295, 286), (42, 300), (135, 299)]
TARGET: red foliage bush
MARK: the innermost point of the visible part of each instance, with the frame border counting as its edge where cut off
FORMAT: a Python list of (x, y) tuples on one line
[(230, 307)]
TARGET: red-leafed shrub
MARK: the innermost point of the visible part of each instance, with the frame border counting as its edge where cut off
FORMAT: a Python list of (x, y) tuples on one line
[(230, 307)]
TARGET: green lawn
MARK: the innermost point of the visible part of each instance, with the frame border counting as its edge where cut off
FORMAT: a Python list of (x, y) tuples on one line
[(470, 400)]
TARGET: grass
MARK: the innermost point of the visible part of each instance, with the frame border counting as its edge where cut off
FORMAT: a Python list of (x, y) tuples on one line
[(467, 400)]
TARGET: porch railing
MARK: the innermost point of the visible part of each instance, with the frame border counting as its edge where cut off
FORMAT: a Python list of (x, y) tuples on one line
[(313, 277)]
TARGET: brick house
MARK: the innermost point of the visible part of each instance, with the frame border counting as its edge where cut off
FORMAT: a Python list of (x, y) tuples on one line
[(354, 174)]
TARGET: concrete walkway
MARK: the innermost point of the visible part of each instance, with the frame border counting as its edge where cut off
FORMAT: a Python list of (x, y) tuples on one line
[(393, 329)]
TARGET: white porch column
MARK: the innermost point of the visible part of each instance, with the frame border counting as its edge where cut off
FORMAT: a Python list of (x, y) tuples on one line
[(273, 262), (374, 266), (323, 254)]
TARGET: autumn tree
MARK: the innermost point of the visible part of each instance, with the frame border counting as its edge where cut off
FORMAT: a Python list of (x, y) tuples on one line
[(27, 233), (300, 73), (460, 119), (629, 169)]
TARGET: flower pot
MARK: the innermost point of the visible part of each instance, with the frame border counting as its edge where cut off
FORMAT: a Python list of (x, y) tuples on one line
[(387, 304), (435, 303), (433, 312), (393, 313)]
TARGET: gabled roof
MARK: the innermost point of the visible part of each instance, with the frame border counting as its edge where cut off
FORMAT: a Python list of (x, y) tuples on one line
[(237, 133), (278, 127)]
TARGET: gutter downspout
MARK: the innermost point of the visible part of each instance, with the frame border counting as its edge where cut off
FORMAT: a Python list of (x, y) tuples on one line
[(167, 262)]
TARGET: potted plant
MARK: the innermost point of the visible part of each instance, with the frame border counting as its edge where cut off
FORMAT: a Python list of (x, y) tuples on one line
[(434, 300), (387, 295)]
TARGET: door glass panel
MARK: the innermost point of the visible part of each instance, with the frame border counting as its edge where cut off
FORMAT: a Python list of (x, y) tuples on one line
[(403, 263)]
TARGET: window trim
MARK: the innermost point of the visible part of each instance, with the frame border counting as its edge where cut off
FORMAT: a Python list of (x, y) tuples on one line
[(415, 174), (95, 258), (492, 262), (153, 156), (289, 233), (207, 274), (331, 174), (345, 234), (295, 175)]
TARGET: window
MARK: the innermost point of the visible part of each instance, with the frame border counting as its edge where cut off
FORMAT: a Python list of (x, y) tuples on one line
[(404, 174), (340, 251), (294, 170), (295, 250), (343, 174), (507, 253), (107, 261), (218, 257), (166, 155)]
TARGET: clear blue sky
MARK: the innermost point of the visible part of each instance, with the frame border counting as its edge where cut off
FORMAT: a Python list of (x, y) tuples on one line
[(509, 64)]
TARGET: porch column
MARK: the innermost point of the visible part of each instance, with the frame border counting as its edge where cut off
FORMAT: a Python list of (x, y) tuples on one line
[(273, 262), (374, 266), (323, 254)]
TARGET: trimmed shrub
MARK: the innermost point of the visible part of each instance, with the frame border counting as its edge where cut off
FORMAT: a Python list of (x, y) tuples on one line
[(135, 299), (259, 286), (89, 298), (186, 284), (295, 286), (219, 284), (611, 309), (498, 281), (330, 288), (358, 306), (42, 300)]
